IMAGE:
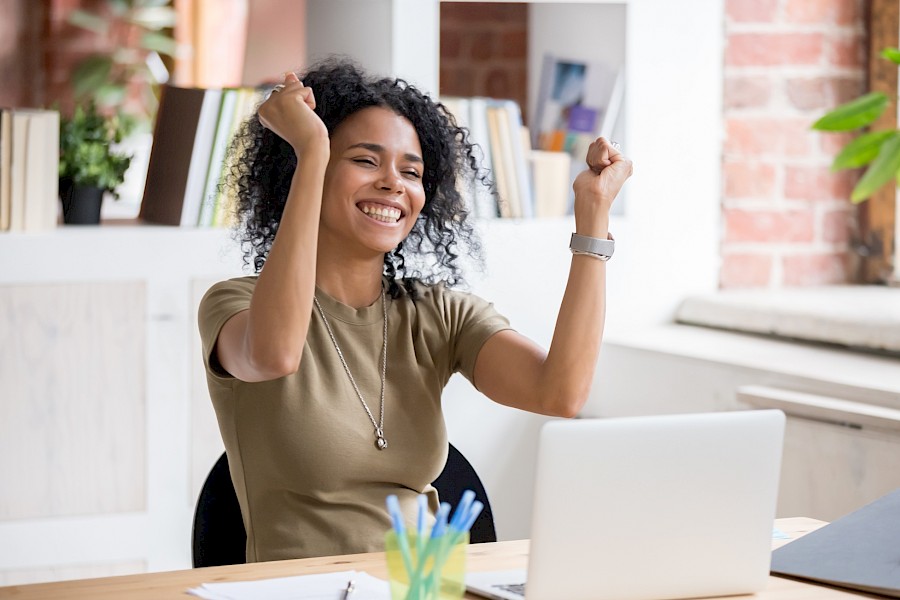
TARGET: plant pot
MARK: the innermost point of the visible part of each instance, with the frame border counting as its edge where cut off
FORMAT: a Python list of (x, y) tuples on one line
[(81, 204)]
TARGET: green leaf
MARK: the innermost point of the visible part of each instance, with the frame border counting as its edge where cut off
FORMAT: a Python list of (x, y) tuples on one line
[(85, 152), (89, 21), (155, 18), (861, 151), (127, 56), (110, 94), (892, 54), (159, 43), (119, 8), (854, 114), (883, 169), (91, 73)]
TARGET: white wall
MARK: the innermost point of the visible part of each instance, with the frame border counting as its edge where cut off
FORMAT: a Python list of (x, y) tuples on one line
[(526, 273), (387, 37)]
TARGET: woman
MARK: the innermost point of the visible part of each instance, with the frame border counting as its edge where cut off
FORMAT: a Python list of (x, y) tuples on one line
[(326, 369)]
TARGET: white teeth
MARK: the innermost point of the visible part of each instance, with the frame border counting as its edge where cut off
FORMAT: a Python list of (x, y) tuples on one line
[(384, 214)]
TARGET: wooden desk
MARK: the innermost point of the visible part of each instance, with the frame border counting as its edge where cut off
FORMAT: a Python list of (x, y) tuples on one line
[(482, 557)]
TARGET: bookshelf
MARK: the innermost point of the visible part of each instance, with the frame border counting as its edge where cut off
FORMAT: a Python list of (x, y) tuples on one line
[(155, 275)]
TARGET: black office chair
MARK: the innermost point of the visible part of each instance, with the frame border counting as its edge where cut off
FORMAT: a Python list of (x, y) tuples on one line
[(219, 537)]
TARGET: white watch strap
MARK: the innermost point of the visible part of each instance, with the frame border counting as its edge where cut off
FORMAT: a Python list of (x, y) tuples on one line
[(602, 249)]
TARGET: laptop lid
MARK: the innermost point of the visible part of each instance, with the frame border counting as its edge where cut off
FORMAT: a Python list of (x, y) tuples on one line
[(655, 507)]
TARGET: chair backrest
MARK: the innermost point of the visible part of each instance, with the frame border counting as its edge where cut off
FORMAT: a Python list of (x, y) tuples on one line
[(458, 476), (219, 537)]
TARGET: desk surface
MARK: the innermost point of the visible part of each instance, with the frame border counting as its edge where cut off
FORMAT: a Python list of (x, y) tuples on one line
[(482, 557)]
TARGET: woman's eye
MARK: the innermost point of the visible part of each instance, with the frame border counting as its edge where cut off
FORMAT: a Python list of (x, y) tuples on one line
[(367, 161), (413, 174)]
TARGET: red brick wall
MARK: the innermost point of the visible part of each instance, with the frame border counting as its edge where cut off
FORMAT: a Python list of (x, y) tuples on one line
[(484, 50), (39, 50), (787, 219), (21, 53)]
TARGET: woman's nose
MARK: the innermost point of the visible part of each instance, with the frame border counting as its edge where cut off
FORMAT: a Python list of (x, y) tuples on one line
[(390, 181)]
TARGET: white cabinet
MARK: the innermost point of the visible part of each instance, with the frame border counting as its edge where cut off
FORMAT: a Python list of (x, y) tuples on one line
[(842, 442)]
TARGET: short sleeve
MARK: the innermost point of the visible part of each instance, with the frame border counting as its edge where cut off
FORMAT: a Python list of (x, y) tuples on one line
[(470, 321), (221, 302)]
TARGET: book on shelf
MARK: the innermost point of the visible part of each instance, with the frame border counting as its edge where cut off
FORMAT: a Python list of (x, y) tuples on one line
[(218, 149), (526, 184), (550, 183), (194, 128), (485, 198), (502, 163), (578, 101), (519, 147), (5, 167), (174, 135), (29, 169), (226, 198)]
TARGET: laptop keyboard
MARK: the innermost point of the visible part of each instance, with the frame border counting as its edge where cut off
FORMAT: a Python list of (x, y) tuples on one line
[(513, 588)]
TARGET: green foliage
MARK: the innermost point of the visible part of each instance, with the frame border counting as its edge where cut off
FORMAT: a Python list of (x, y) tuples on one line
[(892, 54), (85, 153), (137, 31), (861, 151), (854, 114), (878, 148), (883, 169)]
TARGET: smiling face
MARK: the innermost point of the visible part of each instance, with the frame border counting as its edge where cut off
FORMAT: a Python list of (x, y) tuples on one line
[(373, 184)]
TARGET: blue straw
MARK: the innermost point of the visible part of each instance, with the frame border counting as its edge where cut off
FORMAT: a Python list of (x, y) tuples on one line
[(393, 506), (462, 510), (476, 509), (420, 525), (440, 524)]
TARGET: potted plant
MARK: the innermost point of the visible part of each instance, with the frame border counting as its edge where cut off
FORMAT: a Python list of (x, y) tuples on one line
[(88, 165)]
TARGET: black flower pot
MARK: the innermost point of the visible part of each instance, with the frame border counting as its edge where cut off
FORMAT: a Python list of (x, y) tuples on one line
[(81, 204)]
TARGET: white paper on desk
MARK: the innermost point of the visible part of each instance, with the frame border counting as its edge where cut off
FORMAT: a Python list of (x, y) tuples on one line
[(326, 586)]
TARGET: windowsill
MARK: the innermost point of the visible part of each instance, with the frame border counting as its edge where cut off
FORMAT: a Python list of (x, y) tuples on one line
[(863, 318)]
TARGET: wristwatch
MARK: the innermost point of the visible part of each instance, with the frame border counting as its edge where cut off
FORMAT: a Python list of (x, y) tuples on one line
[(594, 247)]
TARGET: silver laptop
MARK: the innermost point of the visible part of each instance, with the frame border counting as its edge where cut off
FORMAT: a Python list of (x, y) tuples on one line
[(650, 508)]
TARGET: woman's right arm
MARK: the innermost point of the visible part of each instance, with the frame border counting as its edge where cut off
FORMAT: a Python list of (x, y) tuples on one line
[(266, 341)]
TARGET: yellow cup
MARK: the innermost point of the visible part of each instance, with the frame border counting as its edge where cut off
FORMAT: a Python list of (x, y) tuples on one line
[(434, 570)]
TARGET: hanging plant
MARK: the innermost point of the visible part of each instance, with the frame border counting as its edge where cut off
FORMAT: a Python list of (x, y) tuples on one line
[(125, 80)]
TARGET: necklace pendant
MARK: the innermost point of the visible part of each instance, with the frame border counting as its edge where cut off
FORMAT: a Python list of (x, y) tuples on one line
[(380, 442)]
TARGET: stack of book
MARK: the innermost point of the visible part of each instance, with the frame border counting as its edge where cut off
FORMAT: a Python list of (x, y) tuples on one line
[(194, 129), (495, 127), (528, 183), (29, 169)]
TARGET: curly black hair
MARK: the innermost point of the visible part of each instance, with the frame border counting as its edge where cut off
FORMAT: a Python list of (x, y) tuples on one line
[(262, 166)]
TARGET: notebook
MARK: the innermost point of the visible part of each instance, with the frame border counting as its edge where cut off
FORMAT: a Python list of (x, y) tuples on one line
[(650, 508), (858, 551)]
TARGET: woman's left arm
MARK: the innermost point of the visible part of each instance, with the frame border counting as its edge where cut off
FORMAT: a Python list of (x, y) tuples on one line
[(513, 370)]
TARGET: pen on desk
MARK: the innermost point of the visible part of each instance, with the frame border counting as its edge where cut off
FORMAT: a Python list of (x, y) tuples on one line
[(351, 587)]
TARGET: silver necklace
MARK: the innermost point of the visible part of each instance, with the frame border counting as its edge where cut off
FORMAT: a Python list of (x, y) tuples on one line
[(380, 441)]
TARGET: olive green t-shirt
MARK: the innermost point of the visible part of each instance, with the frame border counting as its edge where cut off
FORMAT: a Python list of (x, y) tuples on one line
[(308, 476)]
